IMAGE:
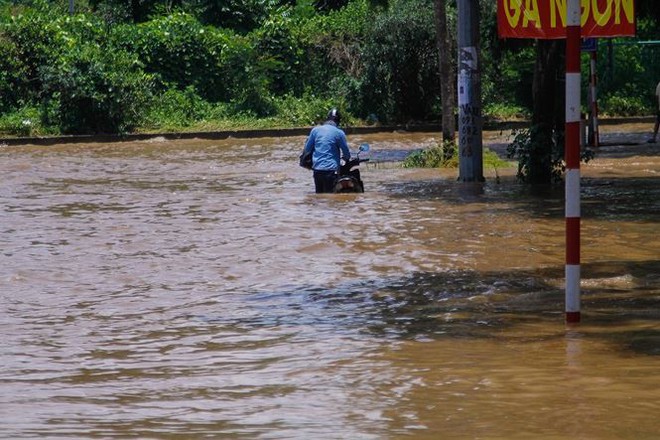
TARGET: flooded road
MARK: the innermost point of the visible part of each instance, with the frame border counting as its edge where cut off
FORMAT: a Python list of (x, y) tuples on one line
[(199, 289)]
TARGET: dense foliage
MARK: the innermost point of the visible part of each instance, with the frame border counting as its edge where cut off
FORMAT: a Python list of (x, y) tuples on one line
[(120, 66)]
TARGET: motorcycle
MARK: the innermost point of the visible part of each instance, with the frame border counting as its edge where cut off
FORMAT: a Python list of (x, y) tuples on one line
[(348, 180)]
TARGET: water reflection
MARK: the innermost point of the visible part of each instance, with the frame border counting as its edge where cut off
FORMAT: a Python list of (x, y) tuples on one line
[(200, 289)]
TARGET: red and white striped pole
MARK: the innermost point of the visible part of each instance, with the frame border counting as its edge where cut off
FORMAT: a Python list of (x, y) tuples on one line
[(594, 98), (572, 158)]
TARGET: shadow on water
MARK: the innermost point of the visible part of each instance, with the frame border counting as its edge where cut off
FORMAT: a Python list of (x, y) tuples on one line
[(622, 148), (609, 198), (622, 198), (469, 304)]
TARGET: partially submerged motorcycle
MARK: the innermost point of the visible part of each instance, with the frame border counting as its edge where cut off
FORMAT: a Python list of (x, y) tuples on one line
[(348, 180)]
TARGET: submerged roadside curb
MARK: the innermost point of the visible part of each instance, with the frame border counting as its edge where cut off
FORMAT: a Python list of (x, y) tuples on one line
[(210, 135), (274, 132)]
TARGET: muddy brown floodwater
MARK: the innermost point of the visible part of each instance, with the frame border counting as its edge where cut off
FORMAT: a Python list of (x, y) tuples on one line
[(199, 289)]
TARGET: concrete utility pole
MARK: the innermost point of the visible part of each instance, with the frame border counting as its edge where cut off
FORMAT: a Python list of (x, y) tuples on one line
[(572, 158), (470, 120), (71, 7)]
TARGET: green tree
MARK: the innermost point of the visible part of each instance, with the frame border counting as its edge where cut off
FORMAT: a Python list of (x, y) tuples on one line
[(182, 53), (280, 55), (14, 86), (95, 90), (401, 63)]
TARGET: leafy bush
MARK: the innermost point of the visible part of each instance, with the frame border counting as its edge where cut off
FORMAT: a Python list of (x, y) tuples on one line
[(95, 90), (307, 110), (530, 154), (444, 155), (241, 16), (32, 40), (13, 85), (401, 63), (279, 57), (628, 77), (183, 53), (625, 106), (332, 46), (505, 112), (24, 122), (177, 109)]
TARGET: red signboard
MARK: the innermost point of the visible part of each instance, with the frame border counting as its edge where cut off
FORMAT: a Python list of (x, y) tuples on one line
[(546, 19)]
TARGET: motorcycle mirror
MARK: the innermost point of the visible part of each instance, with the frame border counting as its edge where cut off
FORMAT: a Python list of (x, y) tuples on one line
[(364, 147)]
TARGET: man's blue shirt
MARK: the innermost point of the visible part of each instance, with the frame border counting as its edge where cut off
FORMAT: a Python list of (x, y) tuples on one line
[(327, 140)]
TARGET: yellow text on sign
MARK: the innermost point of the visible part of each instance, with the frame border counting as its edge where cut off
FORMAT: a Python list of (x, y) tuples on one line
[(529, 11)]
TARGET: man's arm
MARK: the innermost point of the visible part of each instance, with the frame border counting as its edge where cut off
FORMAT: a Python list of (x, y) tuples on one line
[(343, 145), (309, 143)]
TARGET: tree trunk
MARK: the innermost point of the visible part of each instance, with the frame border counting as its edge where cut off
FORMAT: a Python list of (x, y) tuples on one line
[(447, 72), (548, 113)]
